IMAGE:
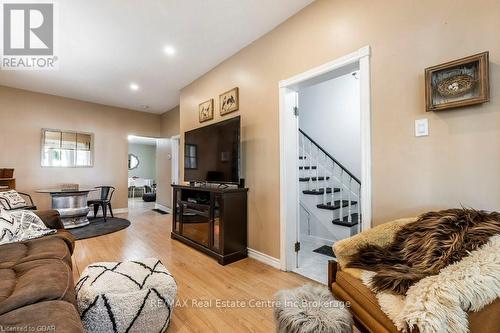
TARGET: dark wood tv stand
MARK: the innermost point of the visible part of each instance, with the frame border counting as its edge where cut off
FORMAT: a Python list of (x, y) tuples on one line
[(211, 219)]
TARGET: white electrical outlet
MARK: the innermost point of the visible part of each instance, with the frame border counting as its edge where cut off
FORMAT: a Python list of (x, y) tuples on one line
[(422, 127)]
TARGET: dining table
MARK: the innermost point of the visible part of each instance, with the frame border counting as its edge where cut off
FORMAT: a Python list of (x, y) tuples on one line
[(138, 182), (71, 205)]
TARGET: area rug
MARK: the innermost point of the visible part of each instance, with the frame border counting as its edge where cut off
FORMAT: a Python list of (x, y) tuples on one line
[(325, 250), (98, 227)]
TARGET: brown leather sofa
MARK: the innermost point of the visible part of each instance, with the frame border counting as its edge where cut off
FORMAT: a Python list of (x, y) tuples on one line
[(36, 282), (368, 317)]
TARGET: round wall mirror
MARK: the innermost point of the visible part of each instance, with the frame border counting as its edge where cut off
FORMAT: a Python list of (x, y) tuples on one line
[(133, 161)]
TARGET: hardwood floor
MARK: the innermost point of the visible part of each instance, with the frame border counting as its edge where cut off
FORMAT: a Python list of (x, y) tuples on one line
[(199, 278)]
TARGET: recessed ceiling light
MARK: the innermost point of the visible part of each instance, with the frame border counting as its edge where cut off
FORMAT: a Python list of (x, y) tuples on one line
[(134, 86), (169, 50)]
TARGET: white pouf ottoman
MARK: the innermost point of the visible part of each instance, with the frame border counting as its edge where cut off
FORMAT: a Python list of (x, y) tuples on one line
[(132, 296)]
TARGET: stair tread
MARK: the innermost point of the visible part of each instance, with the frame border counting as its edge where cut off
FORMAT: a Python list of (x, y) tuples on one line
[(321, 191), (306, 179), (308, 167), (336, 204), (345, 221)]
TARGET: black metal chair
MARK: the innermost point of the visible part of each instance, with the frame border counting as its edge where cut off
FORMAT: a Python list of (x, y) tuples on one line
[(104, 202), (29, 205)]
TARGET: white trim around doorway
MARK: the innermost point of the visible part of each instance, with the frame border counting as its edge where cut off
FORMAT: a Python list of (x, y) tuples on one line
[(289, 148), (175, 145)]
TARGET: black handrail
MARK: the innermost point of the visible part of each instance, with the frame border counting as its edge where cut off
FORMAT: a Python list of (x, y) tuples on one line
[(330, 156)]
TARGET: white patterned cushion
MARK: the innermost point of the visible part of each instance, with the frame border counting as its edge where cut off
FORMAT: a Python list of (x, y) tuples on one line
[(14, 199), (8, 227), (21, 225), (134, 296)]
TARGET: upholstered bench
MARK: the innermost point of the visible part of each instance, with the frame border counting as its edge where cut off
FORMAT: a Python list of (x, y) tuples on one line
[(132, 296)]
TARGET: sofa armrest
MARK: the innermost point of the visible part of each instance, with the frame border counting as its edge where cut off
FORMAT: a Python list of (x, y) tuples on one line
[(50, 218), (332, 272)]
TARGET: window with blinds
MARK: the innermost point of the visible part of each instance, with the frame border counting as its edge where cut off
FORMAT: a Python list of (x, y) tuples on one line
[(67, 149)]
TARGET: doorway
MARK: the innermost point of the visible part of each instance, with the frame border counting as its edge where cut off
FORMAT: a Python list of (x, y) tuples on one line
[(322, 198), (142, 173)]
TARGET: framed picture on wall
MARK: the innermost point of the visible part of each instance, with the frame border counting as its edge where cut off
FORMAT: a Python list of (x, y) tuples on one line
[(457, 83), (206, 110), (229, 101)]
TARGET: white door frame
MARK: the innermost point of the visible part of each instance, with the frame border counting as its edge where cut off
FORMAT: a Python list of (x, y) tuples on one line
[(175, 144), (289, 149)]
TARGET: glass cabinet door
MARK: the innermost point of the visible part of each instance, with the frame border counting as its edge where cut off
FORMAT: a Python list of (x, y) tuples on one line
[(195, 222), (217, 224), (177, 216)]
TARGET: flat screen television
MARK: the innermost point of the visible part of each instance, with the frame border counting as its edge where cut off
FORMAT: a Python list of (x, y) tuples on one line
[(212, 153)]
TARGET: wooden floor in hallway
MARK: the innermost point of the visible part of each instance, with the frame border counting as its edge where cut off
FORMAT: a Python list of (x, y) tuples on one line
[(201, 281)]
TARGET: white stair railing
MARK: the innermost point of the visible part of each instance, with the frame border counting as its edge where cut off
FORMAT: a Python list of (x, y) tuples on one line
[(334, 175)]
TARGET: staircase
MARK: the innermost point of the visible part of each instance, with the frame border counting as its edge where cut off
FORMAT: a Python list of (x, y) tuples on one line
[(328, 191)]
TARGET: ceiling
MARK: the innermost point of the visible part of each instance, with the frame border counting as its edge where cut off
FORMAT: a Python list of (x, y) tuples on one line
[(105, 45), (142, 140)]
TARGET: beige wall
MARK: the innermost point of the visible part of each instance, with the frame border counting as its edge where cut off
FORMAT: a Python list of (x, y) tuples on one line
[(146, 154), (22, 116), (169, 123), (169, 126), (457, 164)]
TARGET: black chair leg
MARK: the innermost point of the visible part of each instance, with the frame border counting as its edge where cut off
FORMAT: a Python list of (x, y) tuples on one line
[(110, 209), (96, 209), (104, 211)]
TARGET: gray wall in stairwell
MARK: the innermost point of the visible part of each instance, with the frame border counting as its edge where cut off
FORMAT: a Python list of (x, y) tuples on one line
[(147, 160), (330, 114)]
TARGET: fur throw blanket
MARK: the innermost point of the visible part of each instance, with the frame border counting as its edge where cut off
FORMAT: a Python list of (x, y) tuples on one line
[(424, 247), (440, 303)]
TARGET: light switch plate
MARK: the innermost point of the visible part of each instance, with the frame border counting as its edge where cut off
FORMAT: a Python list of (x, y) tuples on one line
[(422, 127)]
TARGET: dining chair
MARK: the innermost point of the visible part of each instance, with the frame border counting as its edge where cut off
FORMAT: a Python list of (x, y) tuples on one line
[(106, 194)]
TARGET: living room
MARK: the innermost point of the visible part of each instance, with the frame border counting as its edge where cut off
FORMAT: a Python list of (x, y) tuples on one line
[(165, 71)]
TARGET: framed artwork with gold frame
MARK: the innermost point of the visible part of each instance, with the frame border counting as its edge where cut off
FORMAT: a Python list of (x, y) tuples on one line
[(229, 101), (457, 83), (206, 110)]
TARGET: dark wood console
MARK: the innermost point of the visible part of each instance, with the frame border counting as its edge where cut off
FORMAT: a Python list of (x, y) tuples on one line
[(212, 220)]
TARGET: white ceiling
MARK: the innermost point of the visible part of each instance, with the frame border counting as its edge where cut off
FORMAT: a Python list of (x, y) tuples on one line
[(142, 140), (104, 45)]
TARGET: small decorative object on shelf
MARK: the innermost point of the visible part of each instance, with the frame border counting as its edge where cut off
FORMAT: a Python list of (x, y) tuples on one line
[(7, 180), (457, 83), (70, 187), (206, 110), (229, 101), (6, 173)]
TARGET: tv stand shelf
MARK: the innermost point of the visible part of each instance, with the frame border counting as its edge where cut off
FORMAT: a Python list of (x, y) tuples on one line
[(212, 220)]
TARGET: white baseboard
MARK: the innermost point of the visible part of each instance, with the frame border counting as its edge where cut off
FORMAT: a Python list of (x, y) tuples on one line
[(264, 258), (163, 208), (115, 211), (120, 210)]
